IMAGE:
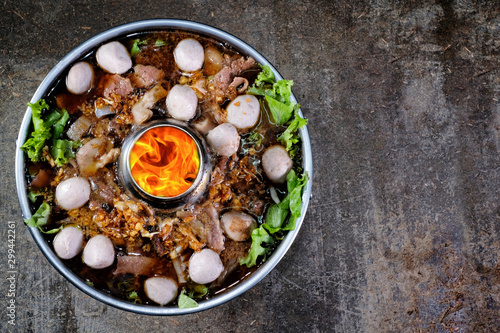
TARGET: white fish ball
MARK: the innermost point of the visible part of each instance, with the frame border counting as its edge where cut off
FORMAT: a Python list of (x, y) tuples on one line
[(161, 290), (114, 58), (80, 78), (276, 163), (182, 102), (68, 242), (224, 139), (205, 266), (238, 225), (244, 111), (189, 55), (72, 193), (99, 252)]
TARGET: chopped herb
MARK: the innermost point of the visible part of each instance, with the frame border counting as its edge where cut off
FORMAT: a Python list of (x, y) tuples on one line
[(160, 42), (134, 297), (135, 50), (197, 290)]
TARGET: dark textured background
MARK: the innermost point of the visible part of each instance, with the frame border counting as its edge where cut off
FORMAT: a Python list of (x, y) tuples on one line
[(403, 103)]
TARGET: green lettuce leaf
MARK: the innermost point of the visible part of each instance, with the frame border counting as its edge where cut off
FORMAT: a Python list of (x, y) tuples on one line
[(33, 146), (62, 151), (59, 124), (290, 137), (40, 219), (46, 127), (277, 95), (186, 302), (280, 112), (277, 213), (259, 237)]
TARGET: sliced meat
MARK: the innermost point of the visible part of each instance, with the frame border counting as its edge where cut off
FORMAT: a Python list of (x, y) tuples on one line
[(79, 128), (146, 76), (210, 219), (137, 265), (204, 125), (142, 109), (96, 154), (42, 178), (234, 68), (116, 84)]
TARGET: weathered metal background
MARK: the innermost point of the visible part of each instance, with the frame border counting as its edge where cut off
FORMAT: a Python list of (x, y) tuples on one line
[(402, 233)]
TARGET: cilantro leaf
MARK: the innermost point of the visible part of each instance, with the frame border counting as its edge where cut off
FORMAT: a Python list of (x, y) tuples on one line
[(186, 302), (259, 237)]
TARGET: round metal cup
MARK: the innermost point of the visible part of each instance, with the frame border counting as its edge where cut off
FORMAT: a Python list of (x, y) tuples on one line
[(44, 88), (191, 195)]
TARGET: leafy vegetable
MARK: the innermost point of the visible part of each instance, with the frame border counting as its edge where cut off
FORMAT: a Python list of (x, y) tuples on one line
[(62, 151), (134, 51), (277, 213), (56, 120), (159, 43), (277, 95), (33, 195), (133, 296), (259, 237), (33, 146), (186, 302), (290, 136), (256, 138), (197, 290), (40, 218)]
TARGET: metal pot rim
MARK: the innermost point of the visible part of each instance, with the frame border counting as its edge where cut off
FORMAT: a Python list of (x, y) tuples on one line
[(21, 185)]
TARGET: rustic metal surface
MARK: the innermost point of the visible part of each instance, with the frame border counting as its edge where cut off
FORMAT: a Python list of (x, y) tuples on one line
[(402, 234)]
